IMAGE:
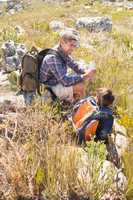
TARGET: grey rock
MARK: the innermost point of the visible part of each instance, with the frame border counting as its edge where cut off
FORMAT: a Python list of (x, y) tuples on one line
[(12, 55), (118, 185), (118, 4), (108, 169), (119, 129), (14, 6), (19, 30), (21, 50), (10, 4), (13, 62), (12, 99), (120, 180), (94, 24), (8, 48), (128, 5), (11, 11), (57, 1), (56, 25), (18, 7), (122, 141), (4, 79)]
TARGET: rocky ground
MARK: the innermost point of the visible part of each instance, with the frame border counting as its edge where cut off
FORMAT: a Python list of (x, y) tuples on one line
[(96, 31)]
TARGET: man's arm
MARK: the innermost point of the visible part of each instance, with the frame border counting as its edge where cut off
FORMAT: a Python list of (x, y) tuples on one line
[(57, 69), (86, 74), (74, 66)]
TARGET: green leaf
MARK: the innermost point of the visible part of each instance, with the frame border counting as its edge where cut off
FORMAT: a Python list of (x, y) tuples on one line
[(39, 176)]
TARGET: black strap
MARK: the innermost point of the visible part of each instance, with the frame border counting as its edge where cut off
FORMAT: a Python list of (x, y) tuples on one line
[(58, 54)]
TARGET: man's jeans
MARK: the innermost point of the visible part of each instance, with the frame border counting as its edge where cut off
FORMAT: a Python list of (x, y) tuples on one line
[(28, 97)]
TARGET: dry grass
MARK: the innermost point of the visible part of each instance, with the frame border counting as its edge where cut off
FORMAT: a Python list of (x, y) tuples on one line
[(41, 159), (34, 161)]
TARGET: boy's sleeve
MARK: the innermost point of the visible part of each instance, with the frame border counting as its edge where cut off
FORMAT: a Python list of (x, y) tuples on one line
[(107, 127)]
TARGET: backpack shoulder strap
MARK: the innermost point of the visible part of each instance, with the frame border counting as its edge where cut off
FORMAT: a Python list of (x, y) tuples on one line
[(58, 54), (45, 52)]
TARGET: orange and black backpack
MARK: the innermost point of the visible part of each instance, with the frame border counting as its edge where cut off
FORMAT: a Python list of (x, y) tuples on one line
[(82, 119)]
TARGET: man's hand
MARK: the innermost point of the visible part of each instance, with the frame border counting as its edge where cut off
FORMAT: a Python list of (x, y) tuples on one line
[(89, 74)]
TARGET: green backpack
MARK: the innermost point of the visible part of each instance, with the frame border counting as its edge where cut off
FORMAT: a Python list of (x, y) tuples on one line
[(31, 63)]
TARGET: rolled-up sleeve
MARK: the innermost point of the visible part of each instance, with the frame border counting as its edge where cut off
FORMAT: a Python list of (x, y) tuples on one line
[(74, 66), (59, 72)]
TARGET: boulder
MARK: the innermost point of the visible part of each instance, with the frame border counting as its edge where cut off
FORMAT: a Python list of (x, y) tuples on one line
[(120, 5), (14, 6), (108, 169), (119, 129), (94, 24), (11, 99), (21, 50), (128, 5), (12, 55), (56, 25), (106, 174), (13, 62), (9, 48), (3, 77), (116, 190), (58, 1), (19, 30), (122, 141)]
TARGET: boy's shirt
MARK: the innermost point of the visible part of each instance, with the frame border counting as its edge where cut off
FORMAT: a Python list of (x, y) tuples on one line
[(105, 125)]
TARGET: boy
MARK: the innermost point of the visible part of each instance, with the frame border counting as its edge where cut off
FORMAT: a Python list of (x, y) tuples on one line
[(103, 116), (96, 108)]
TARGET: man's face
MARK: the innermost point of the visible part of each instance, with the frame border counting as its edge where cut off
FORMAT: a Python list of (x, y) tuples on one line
[(68, 46)]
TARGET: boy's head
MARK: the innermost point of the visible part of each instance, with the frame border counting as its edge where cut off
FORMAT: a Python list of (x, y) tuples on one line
[(105, 97)]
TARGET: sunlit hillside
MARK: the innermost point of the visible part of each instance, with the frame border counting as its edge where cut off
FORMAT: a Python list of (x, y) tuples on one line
[(113, 53)]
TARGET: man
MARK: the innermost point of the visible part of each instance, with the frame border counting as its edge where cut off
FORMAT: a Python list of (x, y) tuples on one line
[(53, 71)]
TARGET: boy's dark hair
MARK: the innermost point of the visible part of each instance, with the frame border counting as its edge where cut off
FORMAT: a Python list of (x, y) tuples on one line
[(105, 97)]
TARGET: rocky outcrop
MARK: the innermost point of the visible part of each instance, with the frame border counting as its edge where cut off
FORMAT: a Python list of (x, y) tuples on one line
[(56, 25), (58, 1), (14, 6), (119, 4), (116, 179), (4, 79), (12, 55), (121, 139), (19, 30), (119, 181), (94, 24)]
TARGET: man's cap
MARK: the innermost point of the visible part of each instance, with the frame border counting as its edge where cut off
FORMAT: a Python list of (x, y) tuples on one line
[(70, 34)]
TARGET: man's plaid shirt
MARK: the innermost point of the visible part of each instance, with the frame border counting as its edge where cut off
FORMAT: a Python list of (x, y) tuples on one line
[(54, 71)]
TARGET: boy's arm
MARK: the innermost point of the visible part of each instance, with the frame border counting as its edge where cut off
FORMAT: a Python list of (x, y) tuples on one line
[(106, 128)]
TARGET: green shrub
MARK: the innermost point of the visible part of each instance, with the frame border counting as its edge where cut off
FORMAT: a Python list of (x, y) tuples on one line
[(13, 78)]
